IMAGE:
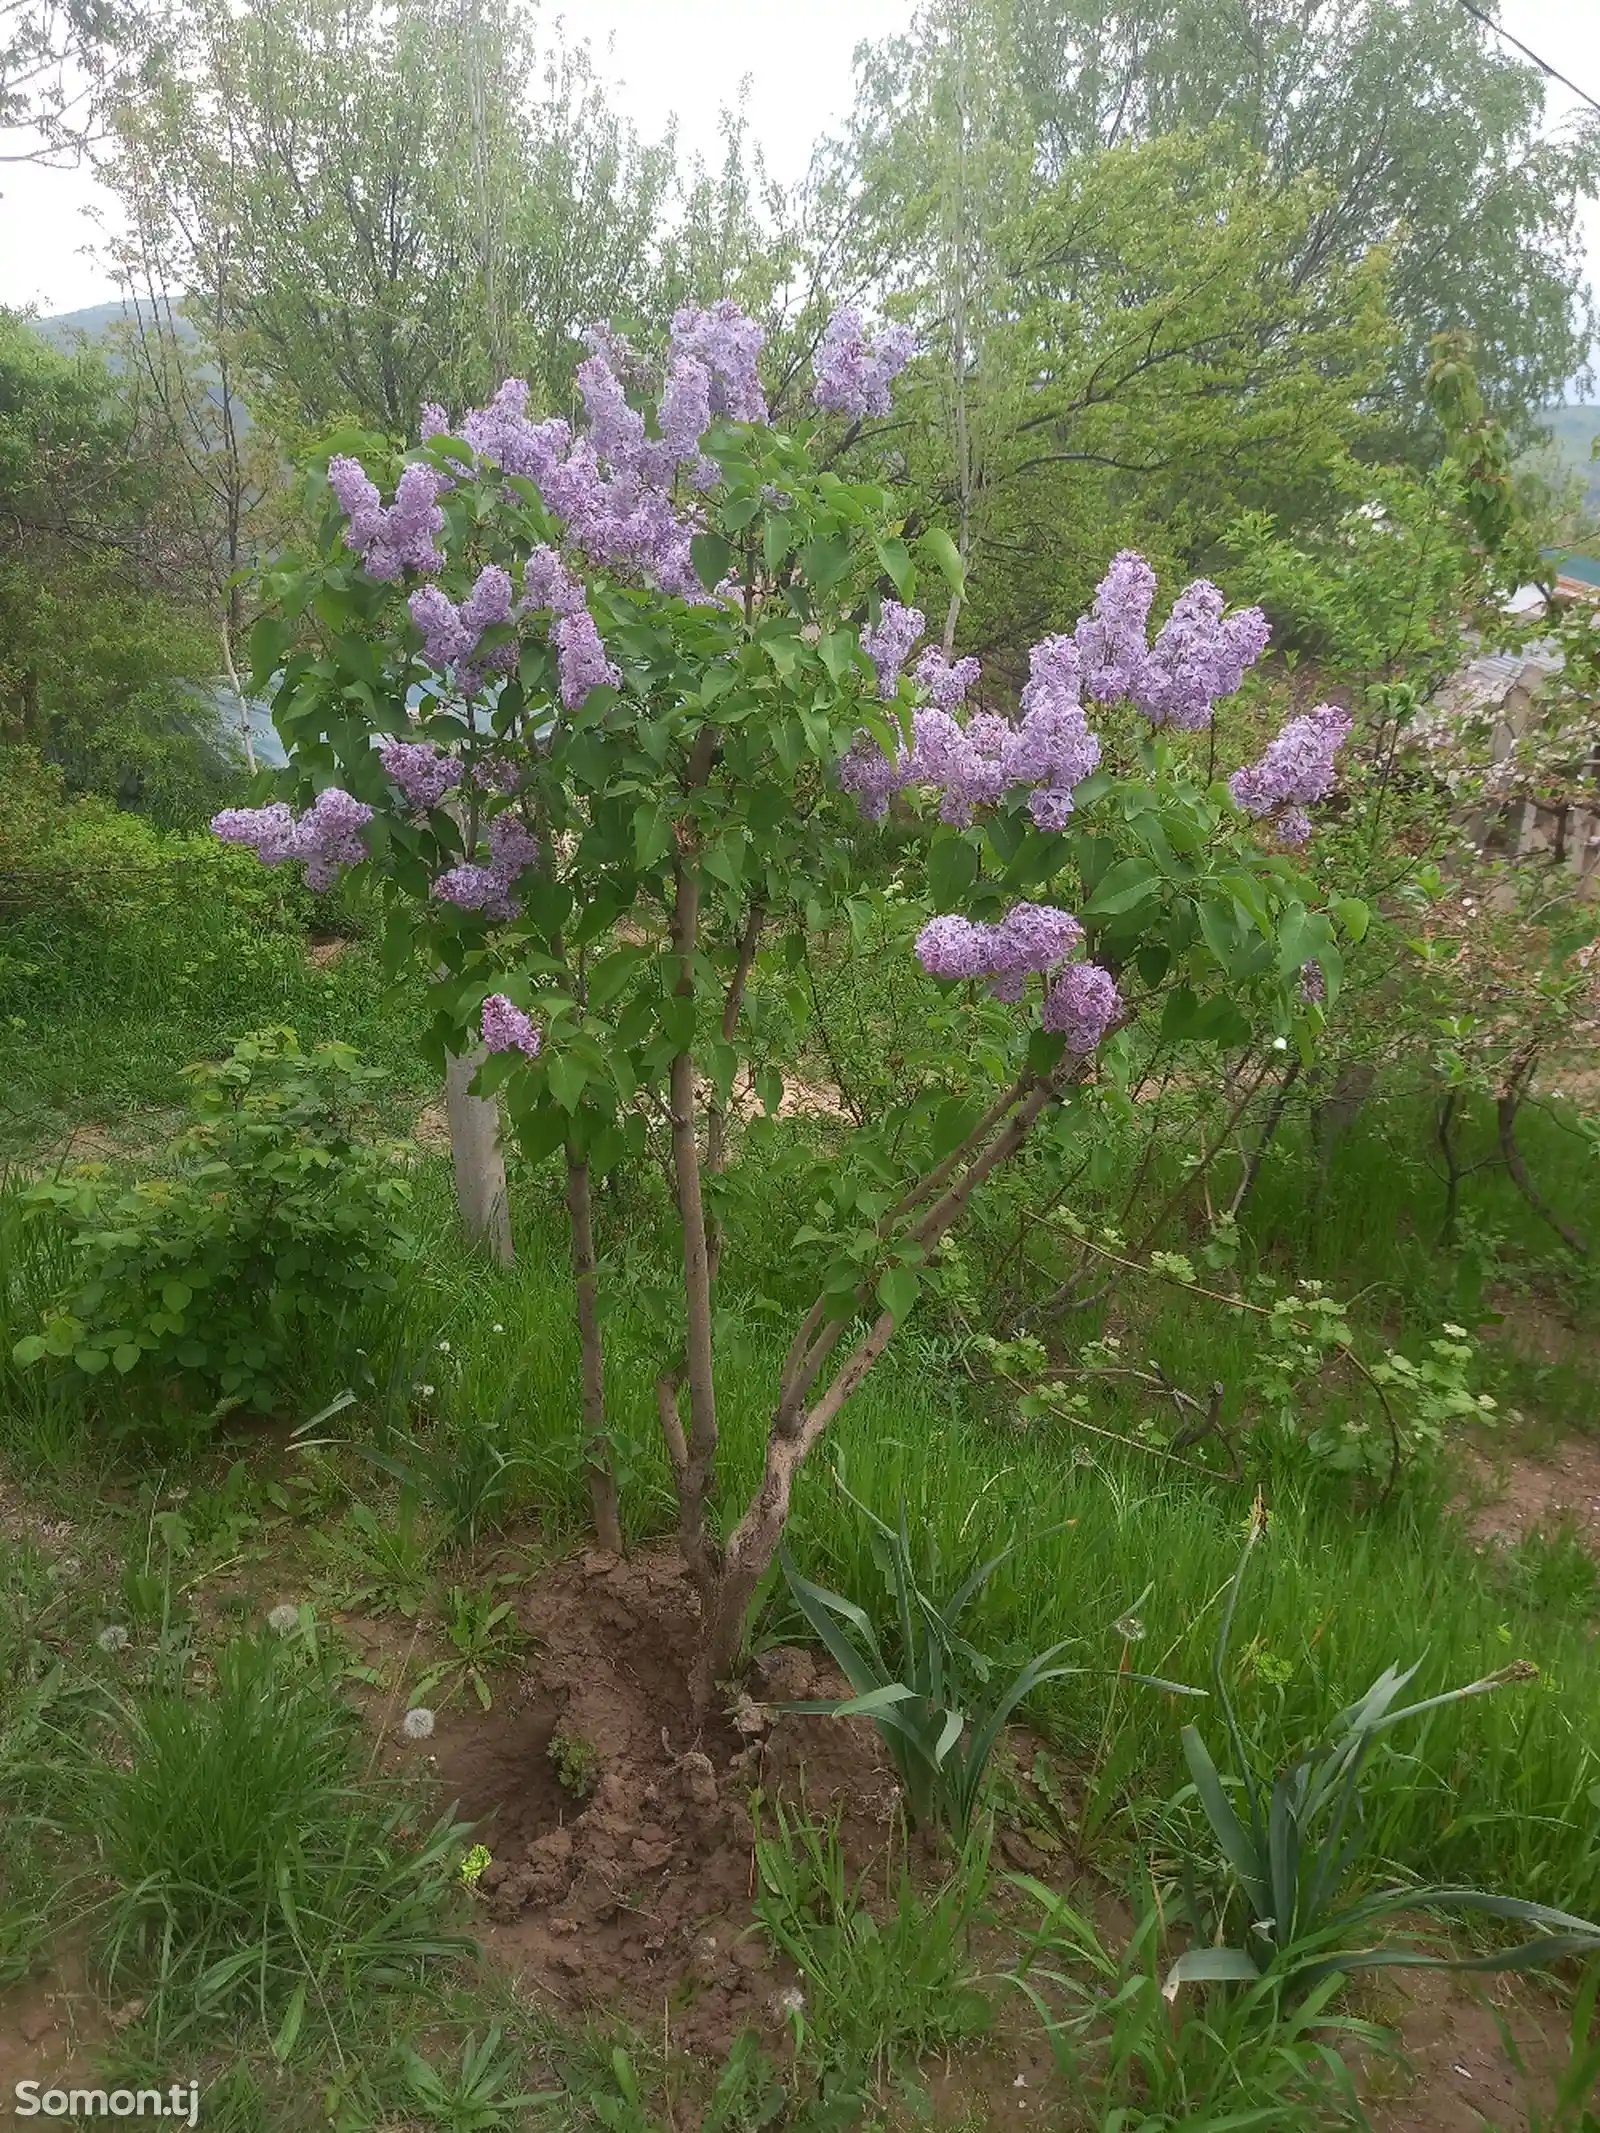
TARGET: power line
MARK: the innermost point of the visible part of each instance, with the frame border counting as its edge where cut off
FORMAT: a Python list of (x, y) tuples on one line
[(1543, 65)]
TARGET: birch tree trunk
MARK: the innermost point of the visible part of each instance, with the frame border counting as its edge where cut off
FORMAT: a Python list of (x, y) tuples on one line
[(478, 1158)]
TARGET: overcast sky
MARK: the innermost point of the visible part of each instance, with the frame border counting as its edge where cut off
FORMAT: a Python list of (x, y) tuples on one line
[(683, 58)]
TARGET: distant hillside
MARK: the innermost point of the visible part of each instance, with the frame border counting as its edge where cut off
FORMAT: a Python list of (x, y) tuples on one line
[(1573, 431), (68, 328)]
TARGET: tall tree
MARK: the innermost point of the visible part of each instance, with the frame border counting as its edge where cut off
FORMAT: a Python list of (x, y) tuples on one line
[(410, 202), (1427, 133), (58, 60), (1124, 350), (99, 648)]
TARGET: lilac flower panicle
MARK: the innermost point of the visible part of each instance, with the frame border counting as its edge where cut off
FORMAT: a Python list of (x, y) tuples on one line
[(1111, 637), (433, 421), (616, 430), (324, 839), (581, 659), (888, 644), (685, 411), (475, 888), (327, 837), (727, 343), (267, 831), (1030, 938), (1053, 748), (452, 636), (1033, 936), (872, 776), (444, 640), (423, 772), (357, 497), (1198, 658), (853, 374), (548, 583), (1313, 984), (1296, 770), (965, 764), (512, 845), (953, 947), (947, 683), (612, 485), (401, 537), (1082, 1005), (507, 1029), (490, 600)]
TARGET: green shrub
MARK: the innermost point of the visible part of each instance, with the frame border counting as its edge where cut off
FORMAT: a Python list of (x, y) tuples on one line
[(270, 1222)]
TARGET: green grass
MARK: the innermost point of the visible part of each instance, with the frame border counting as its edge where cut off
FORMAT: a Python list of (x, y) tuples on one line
[(467, 1382), (1504, 1792), (100, 1018), (255, 1866)]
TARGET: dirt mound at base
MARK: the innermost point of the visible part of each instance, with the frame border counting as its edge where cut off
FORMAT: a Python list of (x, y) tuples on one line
[(636, 1892)]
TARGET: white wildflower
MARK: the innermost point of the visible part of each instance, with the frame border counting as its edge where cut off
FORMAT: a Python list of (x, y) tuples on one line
[(1280, 1044), (113, 1638), (417, 1723), (497, 1327), (444, 1347)]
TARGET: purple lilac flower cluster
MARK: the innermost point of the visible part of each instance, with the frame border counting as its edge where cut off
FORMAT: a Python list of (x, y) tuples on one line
[(1028, 939), (1082, 1005), (946, 682), (853, 374), (581, 658), (423, 772), (1081, 1001), (507, 1029), (489, 889), (888, 642), (1296, 770), (612, 485), (451, 635), (402, 536), (1199, 655), (324, 839), (1051, 748)]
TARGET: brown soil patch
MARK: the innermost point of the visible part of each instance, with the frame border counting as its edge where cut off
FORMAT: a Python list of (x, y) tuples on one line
[(1538, 1495), (321, 953), (1535, 1331), (1459, 2077), (52, 2028), (636, 1895)]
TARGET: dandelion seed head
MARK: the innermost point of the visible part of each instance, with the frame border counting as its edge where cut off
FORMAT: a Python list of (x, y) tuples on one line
[(284, 1618), (417, 1723), (113, 1638)]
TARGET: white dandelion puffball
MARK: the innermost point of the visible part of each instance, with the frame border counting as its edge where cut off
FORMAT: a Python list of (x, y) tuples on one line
[(285, 1619), (417, 1723), (113, 1638)]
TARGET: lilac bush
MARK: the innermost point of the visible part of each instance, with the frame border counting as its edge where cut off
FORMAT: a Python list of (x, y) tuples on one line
[(646, 650)]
